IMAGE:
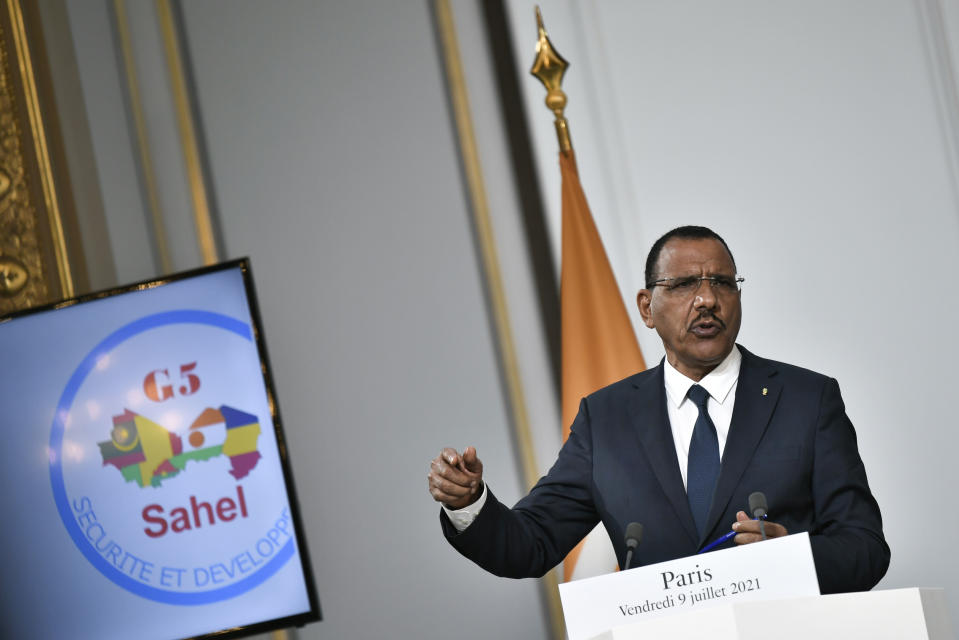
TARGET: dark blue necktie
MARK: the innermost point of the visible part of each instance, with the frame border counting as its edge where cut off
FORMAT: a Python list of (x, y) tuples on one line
[(703, 464)]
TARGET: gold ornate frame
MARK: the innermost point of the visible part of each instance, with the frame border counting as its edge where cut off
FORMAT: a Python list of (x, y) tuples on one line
[(39, 244)]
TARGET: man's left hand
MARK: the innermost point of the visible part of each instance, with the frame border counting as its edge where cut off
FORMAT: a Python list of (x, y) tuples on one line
[(747, 529)]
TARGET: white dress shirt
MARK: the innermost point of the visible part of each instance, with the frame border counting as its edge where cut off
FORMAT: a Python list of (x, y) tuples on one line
[(721, 384)]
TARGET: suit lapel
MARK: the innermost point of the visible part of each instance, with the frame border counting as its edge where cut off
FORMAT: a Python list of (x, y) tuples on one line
[(648, 411), (757, 393)]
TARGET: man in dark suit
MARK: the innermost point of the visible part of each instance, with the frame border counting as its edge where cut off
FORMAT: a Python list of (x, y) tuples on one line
[(680, 447)]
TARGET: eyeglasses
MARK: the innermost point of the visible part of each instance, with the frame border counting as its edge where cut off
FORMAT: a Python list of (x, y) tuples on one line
[(688, 285)]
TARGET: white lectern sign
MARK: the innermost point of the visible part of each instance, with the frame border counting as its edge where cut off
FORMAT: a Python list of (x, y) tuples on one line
[(780, 568)]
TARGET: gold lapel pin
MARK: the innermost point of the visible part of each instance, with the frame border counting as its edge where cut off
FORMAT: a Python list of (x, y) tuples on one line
[(765, 391)]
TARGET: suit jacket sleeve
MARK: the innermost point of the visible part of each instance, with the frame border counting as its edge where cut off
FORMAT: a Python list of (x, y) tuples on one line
[(542, 528), (847, 542)]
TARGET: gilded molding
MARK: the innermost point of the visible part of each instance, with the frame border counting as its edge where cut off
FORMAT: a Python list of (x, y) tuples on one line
[(41, 167), (13, 276), (23, 277), (35, 201)]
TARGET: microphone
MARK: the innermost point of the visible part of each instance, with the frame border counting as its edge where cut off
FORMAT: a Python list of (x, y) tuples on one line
[(758, 507), (634, 535)]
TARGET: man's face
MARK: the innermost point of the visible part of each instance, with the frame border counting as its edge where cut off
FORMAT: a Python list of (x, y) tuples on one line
[(698, 324)]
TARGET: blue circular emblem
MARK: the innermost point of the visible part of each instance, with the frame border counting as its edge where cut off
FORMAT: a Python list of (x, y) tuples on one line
[(267, 566)]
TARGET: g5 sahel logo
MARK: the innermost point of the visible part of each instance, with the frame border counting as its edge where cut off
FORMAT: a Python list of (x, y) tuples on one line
[(166, 486)]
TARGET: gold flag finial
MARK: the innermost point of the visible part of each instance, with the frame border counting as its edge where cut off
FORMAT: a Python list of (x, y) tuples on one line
[(549, 67)]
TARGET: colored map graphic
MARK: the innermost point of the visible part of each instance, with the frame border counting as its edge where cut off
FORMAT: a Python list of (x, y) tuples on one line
[(148, 454)]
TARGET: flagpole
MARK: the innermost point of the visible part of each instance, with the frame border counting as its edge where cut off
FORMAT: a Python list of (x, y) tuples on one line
[(599, 345)]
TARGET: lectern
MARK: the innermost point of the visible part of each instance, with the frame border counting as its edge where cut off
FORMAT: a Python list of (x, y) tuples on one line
[(750, 592)]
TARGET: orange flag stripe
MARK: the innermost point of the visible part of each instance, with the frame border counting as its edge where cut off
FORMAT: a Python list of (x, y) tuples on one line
[(599, 345)]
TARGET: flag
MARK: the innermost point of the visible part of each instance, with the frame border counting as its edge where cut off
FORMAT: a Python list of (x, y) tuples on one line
[(598, 342)]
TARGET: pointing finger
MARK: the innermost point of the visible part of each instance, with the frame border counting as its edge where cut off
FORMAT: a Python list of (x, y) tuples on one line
[(471, 462)]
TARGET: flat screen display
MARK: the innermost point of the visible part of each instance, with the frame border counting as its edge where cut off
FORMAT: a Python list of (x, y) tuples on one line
[(146, 487)]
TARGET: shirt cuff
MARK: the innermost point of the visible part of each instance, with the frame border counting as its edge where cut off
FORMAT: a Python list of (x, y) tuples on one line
[(462, 518)]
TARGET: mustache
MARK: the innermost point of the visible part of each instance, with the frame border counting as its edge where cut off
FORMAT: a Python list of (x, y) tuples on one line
[(707, 316)]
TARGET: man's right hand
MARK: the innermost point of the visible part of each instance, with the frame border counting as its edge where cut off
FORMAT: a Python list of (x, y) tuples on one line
[(456, 480)]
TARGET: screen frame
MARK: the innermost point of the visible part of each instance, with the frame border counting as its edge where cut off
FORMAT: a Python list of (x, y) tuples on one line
[(244, 266)]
